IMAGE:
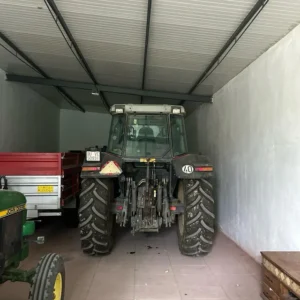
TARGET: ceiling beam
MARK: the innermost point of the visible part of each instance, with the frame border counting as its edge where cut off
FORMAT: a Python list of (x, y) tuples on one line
[(146, 44), (29, 62), (23, 55), (238, 33), (59, 18), (107, 88)]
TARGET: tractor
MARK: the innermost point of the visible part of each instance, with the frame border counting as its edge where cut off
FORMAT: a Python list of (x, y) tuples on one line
[(47, 280), (147, 179)]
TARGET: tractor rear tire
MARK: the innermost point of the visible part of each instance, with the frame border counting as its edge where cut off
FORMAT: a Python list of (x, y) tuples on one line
[(196, 224), (96, 222), (48, 282)]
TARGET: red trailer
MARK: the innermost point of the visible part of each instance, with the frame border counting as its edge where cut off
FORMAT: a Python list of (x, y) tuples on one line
[(50, 181)]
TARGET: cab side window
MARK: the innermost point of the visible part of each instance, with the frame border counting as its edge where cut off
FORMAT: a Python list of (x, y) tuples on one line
[(116, 138), (178, 135)]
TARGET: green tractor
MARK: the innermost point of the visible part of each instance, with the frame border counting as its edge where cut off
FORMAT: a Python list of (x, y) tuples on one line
[(146, 178), (47, 280)]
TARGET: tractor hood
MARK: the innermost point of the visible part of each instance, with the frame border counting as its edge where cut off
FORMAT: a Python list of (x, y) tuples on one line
[(11, 202)]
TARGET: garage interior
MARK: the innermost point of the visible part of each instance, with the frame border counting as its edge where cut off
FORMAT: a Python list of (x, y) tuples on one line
[(233, 65)]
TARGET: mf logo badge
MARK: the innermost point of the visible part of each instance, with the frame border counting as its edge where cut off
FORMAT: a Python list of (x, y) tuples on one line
[(187, 169)]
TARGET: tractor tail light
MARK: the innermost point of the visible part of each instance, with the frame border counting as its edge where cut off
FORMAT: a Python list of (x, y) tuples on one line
[(90, 168), (204, 169)]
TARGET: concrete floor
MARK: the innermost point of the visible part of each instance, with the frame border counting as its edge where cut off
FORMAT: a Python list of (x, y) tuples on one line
[(144, 267)]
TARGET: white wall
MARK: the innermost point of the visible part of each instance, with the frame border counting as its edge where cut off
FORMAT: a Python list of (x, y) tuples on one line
[(80, 130), (252, 134), (28, 122)]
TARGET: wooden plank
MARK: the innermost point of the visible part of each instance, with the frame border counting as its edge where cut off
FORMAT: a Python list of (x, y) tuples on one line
[(268, 293), (270, 280), (288, 262)]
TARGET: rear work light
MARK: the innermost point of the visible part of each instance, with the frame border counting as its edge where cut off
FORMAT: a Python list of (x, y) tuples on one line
[(176, 111), (204, 169)]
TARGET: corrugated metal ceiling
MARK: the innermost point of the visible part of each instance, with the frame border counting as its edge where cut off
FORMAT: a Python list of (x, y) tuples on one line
[(114, 30), (184, 38)]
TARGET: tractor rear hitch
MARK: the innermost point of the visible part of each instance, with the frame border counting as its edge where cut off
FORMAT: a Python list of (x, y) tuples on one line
[(174, 207)]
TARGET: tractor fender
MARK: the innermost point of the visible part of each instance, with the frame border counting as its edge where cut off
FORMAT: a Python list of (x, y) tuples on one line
[(192, 166), (110, 166)]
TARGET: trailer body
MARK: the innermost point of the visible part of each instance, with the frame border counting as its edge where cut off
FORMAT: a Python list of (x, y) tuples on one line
[(49, 181)]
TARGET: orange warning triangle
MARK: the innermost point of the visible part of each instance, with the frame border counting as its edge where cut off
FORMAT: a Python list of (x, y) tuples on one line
[(111, 168)]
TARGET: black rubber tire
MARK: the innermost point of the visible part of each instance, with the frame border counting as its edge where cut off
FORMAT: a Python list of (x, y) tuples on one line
[(42, 286), (96, 222), (196, 226)]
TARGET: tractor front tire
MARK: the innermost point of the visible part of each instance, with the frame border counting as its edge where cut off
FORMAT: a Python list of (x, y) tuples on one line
[(48, 282), (96, 222), (196, 224)]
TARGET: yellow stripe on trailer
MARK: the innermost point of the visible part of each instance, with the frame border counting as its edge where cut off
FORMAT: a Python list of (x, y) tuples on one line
[(12, 210)]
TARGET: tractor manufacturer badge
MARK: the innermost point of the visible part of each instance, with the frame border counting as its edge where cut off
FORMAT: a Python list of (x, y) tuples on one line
[(12, 210), (187, 169)]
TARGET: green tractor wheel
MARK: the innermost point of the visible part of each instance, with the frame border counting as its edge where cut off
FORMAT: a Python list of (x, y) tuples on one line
[(49, 280)]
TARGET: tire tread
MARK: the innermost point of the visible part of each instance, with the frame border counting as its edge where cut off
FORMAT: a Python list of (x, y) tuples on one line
[(199, 219), (95, 217), (42, 285)]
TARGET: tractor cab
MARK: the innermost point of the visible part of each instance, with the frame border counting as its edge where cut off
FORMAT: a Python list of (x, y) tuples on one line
[(155, 131)]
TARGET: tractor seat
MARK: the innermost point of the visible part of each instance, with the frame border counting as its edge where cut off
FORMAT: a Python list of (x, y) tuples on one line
[(146, 133), (146, 140)]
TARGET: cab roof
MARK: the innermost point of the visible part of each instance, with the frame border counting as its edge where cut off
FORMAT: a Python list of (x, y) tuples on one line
[(147, 109)]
